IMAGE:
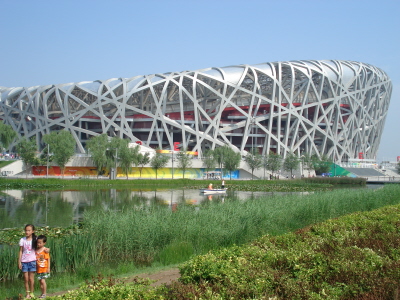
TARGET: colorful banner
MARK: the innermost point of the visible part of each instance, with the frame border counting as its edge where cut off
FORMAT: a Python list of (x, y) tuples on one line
[(134, 173), (170, 151), (69, 171)]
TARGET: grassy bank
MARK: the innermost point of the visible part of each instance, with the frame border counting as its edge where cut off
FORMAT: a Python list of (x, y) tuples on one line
[(4, 163), (57, 183), (145, 236), (248, 185)]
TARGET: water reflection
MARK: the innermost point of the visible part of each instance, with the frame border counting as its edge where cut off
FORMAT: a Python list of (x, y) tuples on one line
[(66, 207)]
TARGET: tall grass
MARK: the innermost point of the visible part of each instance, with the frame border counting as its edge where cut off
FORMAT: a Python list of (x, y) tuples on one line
[(71, 253), (145, 233), (8, 262), (152, 235)]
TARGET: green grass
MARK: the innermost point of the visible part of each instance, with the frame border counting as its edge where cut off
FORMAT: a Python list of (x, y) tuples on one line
[(56, 183), (250, 185), (355, 256), (4, 163), (150, 230), (148, 236), (62, 282)]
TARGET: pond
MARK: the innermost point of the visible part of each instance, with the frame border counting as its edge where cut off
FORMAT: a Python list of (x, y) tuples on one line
[(66, 207), (63, 208)]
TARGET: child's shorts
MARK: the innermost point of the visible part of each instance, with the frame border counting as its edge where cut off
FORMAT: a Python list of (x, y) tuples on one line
[(43, 275), (29, 266)]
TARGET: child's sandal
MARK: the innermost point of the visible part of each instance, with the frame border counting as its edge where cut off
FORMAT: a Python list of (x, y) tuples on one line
[(42, 296)]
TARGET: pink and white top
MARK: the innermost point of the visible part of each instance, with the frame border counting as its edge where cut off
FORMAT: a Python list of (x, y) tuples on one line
[(28, 253)]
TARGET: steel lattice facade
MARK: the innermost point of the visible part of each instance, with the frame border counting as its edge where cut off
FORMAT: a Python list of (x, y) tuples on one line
[(328, 107)]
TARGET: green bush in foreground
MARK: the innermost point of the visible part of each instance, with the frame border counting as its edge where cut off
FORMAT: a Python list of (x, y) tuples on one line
[(353, 257), (108, 288)]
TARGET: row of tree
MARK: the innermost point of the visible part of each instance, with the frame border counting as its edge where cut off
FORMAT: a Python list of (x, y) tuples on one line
[(274, 162), (106, 153), (109, 153)]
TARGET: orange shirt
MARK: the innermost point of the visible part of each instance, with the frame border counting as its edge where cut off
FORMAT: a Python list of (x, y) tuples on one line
[(42, 262)]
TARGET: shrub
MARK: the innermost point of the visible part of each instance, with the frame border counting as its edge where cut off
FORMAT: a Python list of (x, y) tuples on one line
[(353, 257)]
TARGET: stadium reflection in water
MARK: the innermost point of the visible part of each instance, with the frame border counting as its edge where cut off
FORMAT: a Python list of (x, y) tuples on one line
[(64, 208)]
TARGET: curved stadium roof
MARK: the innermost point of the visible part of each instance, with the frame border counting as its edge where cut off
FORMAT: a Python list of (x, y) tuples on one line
[(331, 107)]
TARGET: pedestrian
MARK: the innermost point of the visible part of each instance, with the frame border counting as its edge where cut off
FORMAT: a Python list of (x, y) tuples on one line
[(42, 264), (27, 259), (223, 184), (210, 187)]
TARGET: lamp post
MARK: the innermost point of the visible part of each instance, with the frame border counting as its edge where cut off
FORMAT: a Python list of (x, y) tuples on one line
[(47, 166), (264, 166), (252, 134), (116, 161), (302, 165), (334, 169), (172, 164)]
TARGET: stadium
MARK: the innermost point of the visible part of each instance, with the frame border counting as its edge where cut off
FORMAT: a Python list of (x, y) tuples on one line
[(328, 107)]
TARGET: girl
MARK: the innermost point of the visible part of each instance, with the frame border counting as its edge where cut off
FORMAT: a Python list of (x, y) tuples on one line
[(27, 259)]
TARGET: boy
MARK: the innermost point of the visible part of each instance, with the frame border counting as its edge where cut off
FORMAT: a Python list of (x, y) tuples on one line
[(42, 264)]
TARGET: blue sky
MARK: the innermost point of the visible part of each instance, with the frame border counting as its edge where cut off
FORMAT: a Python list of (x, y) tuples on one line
[(51, 42)]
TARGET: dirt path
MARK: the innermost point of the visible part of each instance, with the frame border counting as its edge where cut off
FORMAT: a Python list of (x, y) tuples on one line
[(166, 276), (161, 277)]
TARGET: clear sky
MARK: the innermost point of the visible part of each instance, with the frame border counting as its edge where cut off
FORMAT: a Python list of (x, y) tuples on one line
[(51, 42)]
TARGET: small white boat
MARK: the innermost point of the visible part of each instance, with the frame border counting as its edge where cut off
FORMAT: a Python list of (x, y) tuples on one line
[(213, 191)]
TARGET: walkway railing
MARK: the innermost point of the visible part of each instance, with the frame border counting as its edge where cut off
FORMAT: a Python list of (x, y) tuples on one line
[(384, 178)]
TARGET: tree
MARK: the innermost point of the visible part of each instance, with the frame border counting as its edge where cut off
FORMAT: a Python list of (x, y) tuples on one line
[(321, 165), (307, 163), (41, 160), (158, 161), (142, 160), (115, 146), (290, 163), (97, 147), (253, 160), (7, 134), (184, 161), (27, 151), (273, 162), (209, 159), (220, 155), (62, 144), (127, 157), (231, 160)]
